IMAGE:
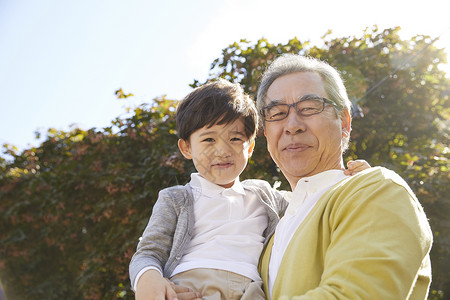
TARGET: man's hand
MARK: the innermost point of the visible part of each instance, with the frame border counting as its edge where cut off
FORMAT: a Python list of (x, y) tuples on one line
[(184, 293), (152, 286)]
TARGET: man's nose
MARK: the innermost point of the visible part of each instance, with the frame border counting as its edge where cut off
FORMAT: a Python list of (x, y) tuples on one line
[(294, 123)]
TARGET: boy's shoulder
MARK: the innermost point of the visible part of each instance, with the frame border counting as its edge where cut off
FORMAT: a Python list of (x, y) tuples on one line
[(256, 183), (176, 191), (268, 194), (175, 197), (175, 188)]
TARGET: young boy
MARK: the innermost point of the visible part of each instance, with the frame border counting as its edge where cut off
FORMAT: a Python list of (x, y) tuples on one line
[(208, 235)]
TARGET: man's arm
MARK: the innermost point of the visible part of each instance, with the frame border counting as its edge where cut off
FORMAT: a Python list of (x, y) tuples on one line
[(372, 242), (379, 244)]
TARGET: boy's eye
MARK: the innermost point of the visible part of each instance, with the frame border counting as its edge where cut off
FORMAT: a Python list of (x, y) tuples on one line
[(210, 140), (236, 139)]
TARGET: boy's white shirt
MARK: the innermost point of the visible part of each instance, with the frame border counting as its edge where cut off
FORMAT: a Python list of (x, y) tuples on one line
[(219, 240)]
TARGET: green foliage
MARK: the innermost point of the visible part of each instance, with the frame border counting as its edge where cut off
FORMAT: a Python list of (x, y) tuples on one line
[(73, 208), (121, 94)]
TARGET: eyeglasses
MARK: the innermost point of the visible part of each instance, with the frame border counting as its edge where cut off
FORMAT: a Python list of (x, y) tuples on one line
[(306, 106)]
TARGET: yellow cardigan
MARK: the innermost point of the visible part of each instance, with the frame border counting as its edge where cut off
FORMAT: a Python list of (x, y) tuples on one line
[(366, 238)]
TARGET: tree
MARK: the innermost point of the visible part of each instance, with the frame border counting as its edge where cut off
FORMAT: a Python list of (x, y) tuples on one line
[(405, 127), (73, 208)]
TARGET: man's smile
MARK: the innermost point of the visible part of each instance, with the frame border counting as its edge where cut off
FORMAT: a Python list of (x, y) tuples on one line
[(296, 147)]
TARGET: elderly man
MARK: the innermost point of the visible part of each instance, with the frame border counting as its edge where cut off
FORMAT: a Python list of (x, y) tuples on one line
[(359, 237)]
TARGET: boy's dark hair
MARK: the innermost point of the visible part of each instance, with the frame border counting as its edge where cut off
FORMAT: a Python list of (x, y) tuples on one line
[(217, 102)]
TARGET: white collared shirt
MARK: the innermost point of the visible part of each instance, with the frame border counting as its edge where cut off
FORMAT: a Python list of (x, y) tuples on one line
[(228, 230), (304, 197)]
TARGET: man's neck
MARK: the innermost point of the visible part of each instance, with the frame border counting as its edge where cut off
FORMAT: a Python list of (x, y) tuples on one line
[(293, 182)]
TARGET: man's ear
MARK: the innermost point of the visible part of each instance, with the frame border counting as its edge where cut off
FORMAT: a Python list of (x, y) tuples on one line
[(346, 121), (251, 148), (185, 148)]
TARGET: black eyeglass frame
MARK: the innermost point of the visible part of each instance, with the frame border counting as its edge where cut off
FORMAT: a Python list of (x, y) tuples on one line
[(294, 105)]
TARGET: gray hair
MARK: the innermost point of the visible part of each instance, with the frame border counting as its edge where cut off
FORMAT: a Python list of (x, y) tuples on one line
[(293, 63)]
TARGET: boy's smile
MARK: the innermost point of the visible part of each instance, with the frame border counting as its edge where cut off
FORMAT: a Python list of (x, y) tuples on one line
[(220, 152)]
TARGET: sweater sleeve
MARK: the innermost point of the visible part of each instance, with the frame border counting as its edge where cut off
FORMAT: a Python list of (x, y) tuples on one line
[(380, 238), (378, 244), (154, 248)]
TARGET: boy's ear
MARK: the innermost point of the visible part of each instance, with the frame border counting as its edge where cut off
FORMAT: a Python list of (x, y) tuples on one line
[(185, 148), (251, 148)]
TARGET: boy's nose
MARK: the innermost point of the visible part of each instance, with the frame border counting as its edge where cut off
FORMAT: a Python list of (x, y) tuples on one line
[(223, 149)]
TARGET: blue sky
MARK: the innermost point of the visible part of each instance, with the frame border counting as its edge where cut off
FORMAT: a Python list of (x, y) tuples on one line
[(61, 61)]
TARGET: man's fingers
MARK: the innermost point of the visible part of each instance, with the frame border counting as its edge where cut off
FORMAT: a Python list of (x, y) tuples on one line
[(189, 296), (179, 288), (185, 293), (171, 294)]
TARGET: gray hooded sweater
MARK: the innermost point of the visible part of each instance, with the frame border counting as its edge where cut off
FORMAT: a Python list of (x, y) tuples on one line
[(171, 225)]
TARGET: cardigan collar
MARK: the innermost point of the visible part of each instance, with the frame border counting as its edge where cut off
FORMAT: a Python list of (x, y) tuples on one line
[(311, 185)]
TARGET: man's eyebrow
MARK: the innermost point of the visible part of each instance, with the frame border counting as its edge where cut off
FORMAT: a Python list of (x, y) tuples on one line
[(274, 102), (302, 97), (309, 96)]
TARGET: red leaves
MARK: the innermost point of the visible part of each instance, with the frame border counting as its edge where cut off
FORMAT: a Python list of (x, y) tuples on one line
[(49, 218), (112, 189)]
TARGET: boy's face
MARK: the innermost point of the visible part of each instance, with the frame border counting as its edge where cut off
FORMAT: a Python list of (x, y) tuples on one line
[(220, 153)]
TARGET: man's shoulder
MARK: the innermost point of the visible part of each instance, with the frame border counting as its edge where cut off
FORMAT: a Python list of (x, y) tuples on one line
[(377, 176)]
